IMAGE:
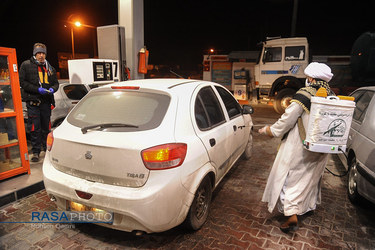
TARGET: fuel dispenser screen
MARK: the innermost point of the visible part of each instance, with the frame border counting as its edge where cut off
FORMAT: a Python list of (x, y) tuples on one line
[(102, 71)]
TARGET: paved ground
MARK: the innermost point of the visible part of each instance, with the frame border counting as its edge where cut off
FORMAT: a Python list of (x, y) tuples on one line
[(238, 220)]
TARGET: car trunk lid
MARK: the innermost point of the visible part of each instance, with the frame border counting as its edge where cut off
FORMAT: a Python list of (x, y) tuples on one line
[(104, 157)]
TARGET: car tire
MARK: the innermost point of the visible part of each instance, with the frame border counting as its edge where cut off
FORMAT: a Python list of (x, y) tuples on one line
[(353, 194), (282, 100), (200, 206), (249, 147)]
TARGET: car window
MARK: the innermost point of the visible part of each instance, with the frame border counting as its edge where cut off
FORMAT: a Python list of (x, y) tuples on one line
[(207, 109), (144, 110), (357, 95), (232, 106), (200, 115), (75, 92), (361, 106)]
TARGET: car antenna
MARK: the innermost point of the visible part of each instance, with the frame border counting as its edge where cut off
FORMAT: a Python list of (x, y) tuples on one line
[(174, 73)]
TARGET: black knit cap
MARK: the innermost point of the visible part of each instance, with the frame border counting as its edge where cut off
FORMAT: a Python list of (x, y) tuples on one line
[(39, 48)]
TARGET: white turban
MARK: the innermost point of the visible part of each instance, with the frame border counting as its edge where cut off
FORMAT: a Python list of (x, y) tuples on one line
[(319, 70)]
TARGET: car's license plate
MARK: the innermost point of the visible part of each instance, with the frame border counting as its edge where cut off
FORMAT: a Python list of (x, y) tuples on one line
[(99, 215)]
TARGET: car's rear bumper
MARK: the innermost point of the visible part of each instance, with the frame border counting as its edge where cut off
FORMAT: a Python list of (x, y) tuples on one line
[(162, 203)]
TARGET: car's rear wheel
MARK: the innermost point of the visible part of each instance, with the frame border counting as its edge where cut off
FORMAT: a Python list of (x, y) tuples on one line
[(200, 207), (249, 147), (353, 194)]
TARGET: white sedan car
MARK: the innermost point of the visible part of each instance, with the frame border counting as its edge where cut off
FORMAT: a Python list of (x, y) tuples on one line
[(148, 151)]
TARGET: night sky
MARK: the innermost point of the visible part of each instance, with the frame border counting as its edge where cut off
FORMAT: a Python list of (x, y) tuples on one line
[(179, 32)]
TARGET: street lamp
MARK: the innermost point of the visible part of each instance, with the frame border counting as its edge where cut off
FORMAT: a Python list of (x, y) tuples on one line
[(78, 24), (210, 53), (72, 36)]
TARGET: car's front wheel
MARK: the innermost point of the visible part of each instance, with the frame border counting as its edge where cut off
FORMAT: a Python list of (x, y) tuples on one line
[(200, 207), (353, 194), (249, 147)]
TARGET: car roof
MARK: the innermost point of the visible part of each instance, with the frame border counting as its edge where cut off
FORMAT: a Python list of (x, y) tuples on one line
[(366, 88), (63, 81), (157, 84)]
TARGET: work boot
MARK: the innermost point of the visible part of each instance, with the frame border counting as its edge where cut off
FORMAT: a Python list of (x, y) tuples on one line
[(290, 225), (35, 158)]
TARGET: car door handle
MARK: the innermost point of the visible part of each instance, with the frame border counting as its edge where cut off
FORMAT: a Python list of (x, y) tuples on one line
[(234, 127), (212, 142)]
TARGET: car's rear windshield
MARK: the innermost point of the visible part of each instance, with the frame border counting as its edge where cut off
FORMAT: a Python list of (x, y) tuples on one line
[(141, 110)]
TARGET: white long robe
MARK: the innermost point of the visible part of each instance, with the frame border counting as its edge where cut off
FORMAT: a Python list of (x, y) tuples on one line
[(296, 172)]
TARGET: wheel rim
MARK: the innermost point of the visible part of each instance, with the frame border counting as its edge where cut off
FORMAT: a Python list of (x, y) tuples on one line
[(352, 179), (285, 102), (202, 203)]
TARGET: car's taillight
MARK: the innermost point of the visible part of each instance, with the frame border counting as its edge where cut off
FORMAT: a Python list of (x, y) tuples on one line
[(164, 156), (49, 141), (83, 195)]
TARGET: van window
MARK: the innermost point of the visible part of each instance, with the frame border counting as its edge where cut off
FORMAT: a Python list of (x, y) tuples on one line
[(361, 106), (294, 53), (272, 54)]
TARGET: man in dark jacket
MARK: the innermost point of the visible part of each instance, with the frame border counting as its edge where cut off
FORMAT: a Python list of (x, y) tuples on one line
[(38, 82)]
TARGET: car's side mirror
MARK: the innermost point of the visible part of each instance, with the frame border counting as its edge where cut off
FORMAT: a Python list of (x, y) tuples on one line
[(247, 109)]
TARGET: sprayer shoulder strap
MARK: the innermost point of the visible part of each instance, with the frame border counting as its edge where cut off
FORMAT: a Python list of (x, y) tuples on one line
[(301, 129)]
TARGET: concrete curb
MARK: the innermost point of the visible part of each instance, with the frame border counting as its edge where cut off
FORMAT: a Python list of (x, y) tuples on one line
[(21, 193)]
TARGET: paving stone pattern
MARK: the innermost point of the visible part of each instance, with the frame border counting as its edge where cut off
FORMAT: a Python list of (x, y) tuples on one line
[(237, 220)]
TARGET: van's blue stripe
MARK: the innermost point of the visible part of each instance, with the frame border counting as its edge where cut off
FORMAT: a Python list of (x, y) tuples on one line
[(274, 72)]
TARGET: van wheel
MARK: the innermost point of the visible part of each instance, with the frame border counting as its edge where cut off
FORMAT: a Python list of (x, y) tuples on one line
[(200, 206), (249, 148), (282, 100), (353, 194)]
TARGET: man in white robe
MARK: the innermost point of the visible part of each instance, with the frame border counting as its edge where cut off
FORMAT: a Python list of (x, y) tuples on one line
[(294, 183)]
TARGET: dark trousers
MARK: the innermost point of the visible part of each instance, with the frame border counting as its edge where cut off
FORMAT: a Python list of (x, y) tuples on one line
[(39, 125)]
